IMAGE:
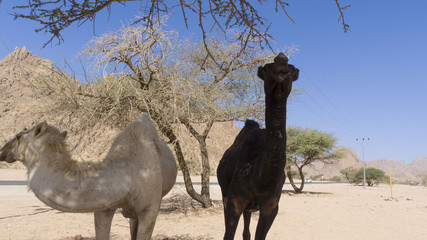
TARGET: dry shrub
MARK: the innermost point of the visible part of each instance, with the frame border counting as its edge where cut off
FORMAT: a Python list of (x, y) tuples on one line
[(183, 203)]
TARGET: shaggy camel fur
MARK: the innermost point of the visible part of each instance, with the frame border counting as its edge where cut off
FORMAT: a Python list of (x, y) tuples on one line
[(251, 172), (137, 172)]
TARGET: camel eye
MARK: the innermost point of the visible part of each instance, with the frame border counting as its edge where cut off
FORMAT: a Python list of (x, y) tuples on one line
[(18, 136)]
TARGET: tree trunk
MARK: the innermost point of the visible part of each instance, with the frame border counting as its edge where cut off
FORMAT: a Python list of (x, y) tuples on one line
[(291, 180), (168, 132), (301, 174), (201, 138)]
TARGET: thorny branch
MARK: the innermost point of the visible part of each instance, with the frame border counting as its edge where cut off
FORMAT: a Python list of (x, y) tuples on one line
[(56, 15), (346, 27)]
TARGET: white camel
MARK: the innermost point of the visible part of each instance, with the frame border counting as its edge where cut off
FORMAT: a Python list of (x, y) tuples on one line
[(137, 172)]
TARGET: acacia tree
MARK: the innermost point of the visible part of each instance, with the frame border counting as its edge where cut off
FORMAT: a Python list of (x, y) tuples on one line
[(306, 146), (150, 70), (373, 176), (57, 15)]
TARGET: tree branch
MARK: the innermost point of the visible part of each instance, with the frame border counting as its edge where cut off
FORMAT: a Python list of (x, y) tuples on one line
[(346, 27)]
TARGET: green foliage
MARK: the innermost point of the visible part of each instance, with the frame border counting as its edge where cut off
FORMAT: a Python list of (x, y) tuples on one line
[(336, 179), (316, 177), (294, 174), (305, 146), (373, 176), (424, 180), (348, 174)]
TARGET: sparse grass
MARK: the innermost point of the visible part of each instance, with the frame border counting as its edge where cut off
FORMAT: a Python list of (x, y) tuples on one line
[(407, 182), (336, 179), (316, 177)]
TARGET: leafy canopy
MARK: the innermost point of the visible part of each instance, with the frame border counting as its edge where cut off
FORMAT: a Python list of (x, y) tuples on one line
[(305, 146)]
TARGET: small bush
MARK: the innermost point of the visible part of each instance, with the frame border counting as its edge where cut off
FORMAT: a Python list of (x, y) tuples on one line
[(373, 176), (349, 174), (316, 177), (336, 179), (406, 182), (423, 179)]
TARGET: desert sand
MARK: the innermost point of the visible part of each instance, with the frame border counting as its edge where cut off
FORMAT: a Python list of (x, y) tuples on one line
[(323, 211)]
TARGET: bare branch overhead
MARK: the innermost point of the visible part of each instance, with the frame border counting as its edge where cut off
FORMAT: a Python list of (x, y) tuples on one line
[(56, 15)]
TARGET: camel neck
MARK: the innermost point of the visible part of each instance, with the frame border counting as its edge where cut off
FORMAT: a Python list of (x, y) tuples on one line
[(271, 165), (275, 123)]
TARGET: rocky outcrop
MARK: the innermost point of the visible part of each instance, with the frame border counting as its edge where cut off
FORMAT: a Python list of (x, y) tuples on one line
[(20, 108)]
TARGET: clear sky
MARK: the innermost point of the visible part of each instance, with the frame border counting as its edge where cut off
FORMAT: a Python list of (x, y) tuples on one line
[(368, 83)]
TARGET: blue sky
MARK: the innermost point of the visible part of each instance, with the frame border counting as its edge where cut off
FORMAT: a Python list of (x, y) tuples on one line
[(370, 82)]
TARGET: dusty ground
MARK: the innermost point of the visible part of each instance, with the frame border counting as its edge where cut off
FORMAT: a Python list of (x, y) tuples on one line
[(324, 211)]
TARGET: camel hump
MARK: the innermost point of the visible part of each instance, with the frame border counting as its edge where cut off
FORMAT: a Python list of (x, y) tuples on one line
[(251, 124), (145, 125), (136, 135), (144, 115)]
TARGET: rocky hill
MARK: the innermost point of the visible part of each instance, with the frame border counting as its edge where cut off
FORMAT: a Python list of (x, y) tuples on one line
[(20, 108)]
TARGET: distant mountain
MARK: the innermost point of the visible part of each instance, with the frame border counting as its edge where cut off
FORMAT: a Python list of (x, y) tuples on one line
[(350, 159), (419, 165), (400, 171)]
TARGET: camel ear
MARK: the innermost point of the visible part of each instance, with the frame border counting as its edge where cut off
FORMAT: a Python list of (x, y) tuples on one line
[(261, 73), (40, 129), (64, 134), (296, 74)]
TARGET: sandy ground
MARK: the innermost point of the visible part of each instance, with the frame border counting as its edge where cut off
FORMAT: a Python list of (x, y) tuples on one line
[(323, 211)]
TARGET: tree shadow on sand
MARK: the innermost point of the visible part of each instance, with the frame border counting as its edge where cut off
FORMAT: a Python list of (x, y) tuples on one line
[(182, 203), (181, 237), (39, 210), (176, 204), (292, 193)]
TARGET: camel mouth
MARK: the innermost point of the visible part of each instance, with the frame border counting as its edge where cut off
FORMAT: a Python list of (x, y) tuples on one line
[(4, 158), (282, 76)]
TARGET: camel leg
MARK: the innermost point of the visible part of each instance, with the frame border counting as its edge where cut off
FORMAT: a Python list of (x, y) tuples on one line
[(146, 221), (133, 228), (246, 221), (103, 224), (266, 218), (232, 213)]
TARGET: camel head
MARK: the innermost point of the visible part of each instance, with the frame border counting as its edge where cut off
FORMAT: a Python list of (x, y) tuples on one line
[(278, 76), (19, 148)]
